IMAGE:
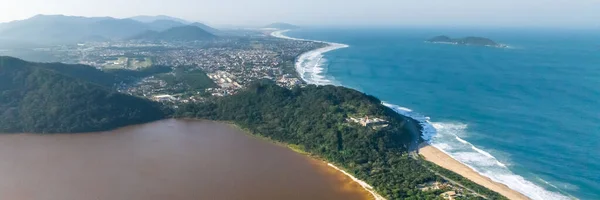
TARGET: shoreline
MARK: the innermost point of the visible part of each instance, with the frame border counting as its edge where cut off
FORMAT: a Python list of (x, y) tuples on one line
[(433, 154), (363, 184), (311, 55), (440, 158), (301, 72)]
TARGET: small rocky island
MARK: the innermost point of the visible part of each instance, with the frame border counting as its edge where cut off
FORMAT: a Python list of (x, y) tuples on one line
[(475, 41)]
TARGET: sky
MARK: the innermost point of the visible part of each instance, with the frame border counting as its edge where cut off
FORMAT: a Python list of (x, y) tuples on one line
[(539, 13)]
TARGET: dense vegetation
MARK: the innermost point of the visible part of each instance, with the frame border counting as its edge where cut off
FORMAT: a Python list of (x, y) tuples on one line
[(77, 71), (130, 76), (463, 181), (87, 73), (189, 78), (314, 119), (37, 99)]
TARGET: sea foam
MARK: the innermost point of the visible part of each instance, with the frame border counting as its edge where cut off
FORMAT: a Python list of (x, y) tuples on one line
[(311, 65), (485, 163), (441, 135), (445, 137)]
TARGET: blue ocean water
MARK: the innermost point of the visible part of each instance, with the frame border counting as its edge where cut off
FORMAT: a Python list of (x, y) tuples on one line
[(527, 116)]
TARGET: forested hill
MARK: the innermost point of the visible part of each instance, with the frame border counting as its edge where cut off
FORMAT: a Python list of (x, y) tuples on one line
[(40, 100), (88, 73), (308, 111), (317, 120)]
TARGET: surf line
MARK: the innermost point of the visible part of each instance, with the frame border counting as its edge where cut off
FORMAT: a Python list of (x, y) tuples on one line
[(330, 47), (314, 69)]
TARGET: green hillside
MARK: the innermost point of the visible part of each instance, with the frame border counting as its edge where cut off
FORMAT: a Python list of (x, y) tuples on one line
[(317, 120), (40, 100)]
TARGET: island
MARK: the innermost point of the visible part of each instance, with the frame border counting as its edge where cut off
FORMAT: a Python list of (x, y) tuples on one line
[(473, 41)]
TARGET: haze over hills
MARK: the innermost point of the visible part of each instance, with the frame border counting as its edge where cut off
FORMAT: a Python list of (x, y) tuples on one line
[(164, 24), (148, 19), (60, 29), (281, 25), (182, 33), (206, 28)]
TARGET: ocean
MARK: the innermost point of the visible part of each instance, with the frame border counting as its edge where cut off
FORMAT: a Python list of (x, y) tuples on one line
[(527, 116)]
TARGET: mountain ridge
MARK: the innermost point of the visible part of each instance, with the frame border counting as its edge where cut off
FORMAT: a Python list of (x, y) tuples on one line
[(182, 33), (150, 18), (62, 29)]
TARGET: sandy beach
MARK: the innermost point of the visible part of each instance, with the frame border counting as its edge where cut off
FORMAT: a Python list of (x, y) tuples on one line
[(440, 158), (430, 153)]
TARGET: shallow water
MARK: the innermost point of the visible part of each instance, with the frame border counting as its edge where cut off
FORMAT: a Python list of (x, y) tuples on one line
[(171, 159)]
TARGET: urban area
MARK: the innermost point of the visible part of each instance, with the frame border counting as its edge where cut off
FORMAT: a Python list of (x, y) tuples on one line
[(200, 69)]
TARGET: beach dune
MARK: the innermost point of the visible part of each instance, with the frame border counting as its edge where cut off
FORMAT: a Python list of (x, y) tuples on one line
[(438, 157)]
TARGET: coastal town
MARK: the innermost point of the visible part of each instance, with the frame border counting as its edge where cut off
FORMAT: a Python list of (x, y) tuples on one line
[(230, 63)]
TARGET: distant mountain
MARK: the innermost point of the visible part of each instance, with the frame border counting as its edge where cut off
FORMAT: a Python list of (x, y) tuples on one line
[(60, 29), (149, 19), (206, 28), (476, 41), (115, 28), (164, 24), (38, 99), (182, 33), (281, 25)]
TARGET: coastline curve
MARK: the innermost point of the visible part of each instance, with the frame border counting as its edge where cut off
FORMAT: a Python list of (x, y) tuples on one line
[(312, 75), (310, 67)]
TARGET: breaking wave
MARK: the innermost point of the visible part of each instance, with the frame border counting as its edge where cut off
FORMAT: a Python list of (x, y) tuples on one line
[(441, 135), (445, 137), (311, 66)]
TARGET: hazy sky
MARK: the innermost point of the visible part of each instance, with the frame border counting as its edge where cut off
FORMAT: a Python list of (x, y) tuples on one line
[(574, 13)]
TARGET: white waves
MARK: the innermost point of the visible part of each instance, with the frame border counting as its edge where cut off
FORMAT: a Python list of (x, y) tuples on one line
[(311, 65), (429, 129), (445, 137), (441, 135)]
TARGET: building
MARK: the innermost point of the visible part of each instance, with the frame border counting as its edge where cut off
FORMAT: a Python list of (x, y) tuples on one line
[(163, 98)]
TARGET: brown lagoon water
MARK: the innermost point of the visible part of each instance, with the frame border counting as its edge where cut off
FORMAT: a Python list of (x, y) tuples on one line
[(170, 159)]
